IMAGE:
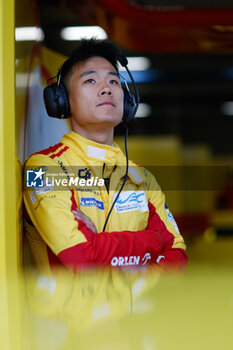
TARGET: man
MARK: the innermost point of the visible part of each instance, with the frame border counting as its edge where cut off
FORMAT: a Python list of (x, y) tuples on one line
[(65, 226)]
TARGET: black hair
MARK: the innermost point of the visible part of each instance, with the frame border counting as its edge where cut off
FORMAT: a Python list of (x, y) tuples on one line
[(90, 48)]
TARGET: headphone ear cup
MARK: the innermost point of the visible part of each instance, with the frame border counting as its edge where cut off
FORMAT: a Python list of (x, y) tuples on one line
[(56, 101), (130, 106)]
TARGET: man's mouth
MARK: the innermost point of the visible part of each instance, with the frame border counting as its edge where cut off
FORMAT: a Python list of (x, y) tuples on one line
[(106, 103)]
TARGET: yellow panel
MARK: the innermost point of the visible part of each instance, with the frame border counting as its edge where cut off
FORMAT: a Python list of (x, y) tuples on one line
[(52, 60), (9, 255), (133, 309), (24, 16)]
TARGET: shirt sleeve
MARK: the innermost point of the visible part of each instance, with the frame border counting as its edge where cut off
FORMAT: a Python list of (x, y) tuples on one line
[(161, 221), (51, 212)]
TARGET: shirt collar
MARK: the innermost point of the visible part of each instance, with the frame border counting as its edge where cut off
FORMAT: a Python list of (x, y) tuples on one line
[(98, 154)]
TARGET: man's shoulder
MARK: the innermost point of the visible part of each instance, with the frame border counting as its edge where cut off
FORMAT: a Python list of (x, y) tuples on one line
[(140, 168), (48, 154), (147, 173)]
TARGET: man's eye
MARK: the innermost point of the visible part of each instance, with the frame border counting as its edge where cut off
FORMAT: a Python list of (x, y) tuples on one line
[(91, 81), (113, 81)]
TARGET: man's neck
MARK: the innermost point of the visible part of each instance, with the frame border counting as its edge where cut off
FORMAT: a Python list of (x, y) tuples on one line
[(104, 136)]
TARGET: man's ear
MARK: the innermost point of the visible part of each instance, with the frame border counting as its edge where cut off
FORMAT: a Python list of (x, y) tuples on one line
[(57, 101)]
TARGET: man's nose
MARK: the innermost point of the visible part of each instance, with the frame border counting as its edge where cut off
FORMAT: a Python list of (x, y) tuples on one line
[(105, 89)]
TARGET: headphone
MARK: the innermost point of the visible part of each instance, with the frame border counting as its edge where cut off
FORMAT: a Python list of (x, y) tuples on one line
[(56, 98)]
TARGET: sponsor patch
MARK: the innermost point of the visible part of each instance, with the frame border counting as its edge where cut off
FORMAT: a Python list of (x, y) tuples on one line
[(40, 190), (96, 152), (146, 257), (171, 218), (130, 260), (159, 258), (46, 188), (84, 173), (135, 174), (125, 260), (130, 201), (91, 202), (33, 197)]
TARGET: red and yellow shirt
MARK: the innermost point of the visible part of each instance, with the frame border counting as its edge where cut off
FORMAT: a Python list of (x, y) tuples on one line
[(140, 229)]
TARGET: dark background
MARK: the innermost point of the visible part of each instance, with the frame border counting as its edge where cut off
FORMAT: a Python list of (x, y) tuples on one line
[(190, 46)]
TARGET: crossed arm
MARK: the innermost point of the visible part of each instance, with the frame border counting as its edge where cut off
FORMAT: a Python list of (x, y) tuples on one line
[(73, 238), (155, 242)]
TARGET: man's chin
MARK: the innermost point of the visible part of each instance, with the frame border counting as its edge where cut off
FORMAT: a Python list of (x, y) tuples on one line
[(110, 120)]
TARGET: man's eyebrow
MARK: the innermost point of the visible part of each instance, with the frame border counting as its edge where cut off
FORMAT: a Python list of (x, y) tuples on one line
[(114, 73), (87, 72), (95, 71)]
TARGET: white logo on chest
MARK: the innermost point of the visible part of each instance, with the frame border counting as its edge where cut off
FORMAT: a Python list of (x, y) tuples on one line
[(130, 201)]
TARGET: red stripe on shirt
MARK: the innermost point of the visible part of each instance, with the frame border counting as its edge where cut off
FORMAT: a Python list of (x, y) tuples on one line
[(50, 149), (59, 153)]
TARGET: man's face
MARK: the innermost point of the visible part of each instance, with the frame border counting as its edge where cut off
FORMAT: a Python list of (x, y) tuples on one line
[(95, 94)]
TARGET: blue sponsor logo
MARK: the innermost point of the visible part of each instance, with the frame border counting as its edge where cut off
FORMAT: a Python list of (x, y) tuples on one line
[(170, 218), (169, 214), (91, 202), (35, 178), (133, 197)]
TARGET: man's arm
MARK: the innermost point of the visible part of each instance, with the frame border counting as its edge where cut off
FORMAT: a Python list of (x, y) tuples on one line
[(172, 254), (75, 244), (161, 221)]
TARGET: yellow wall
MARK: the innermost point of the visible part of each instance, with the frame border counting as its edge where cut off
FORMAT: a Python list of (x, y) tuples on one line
[(10, 331), (25, 15), (14, 64)]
